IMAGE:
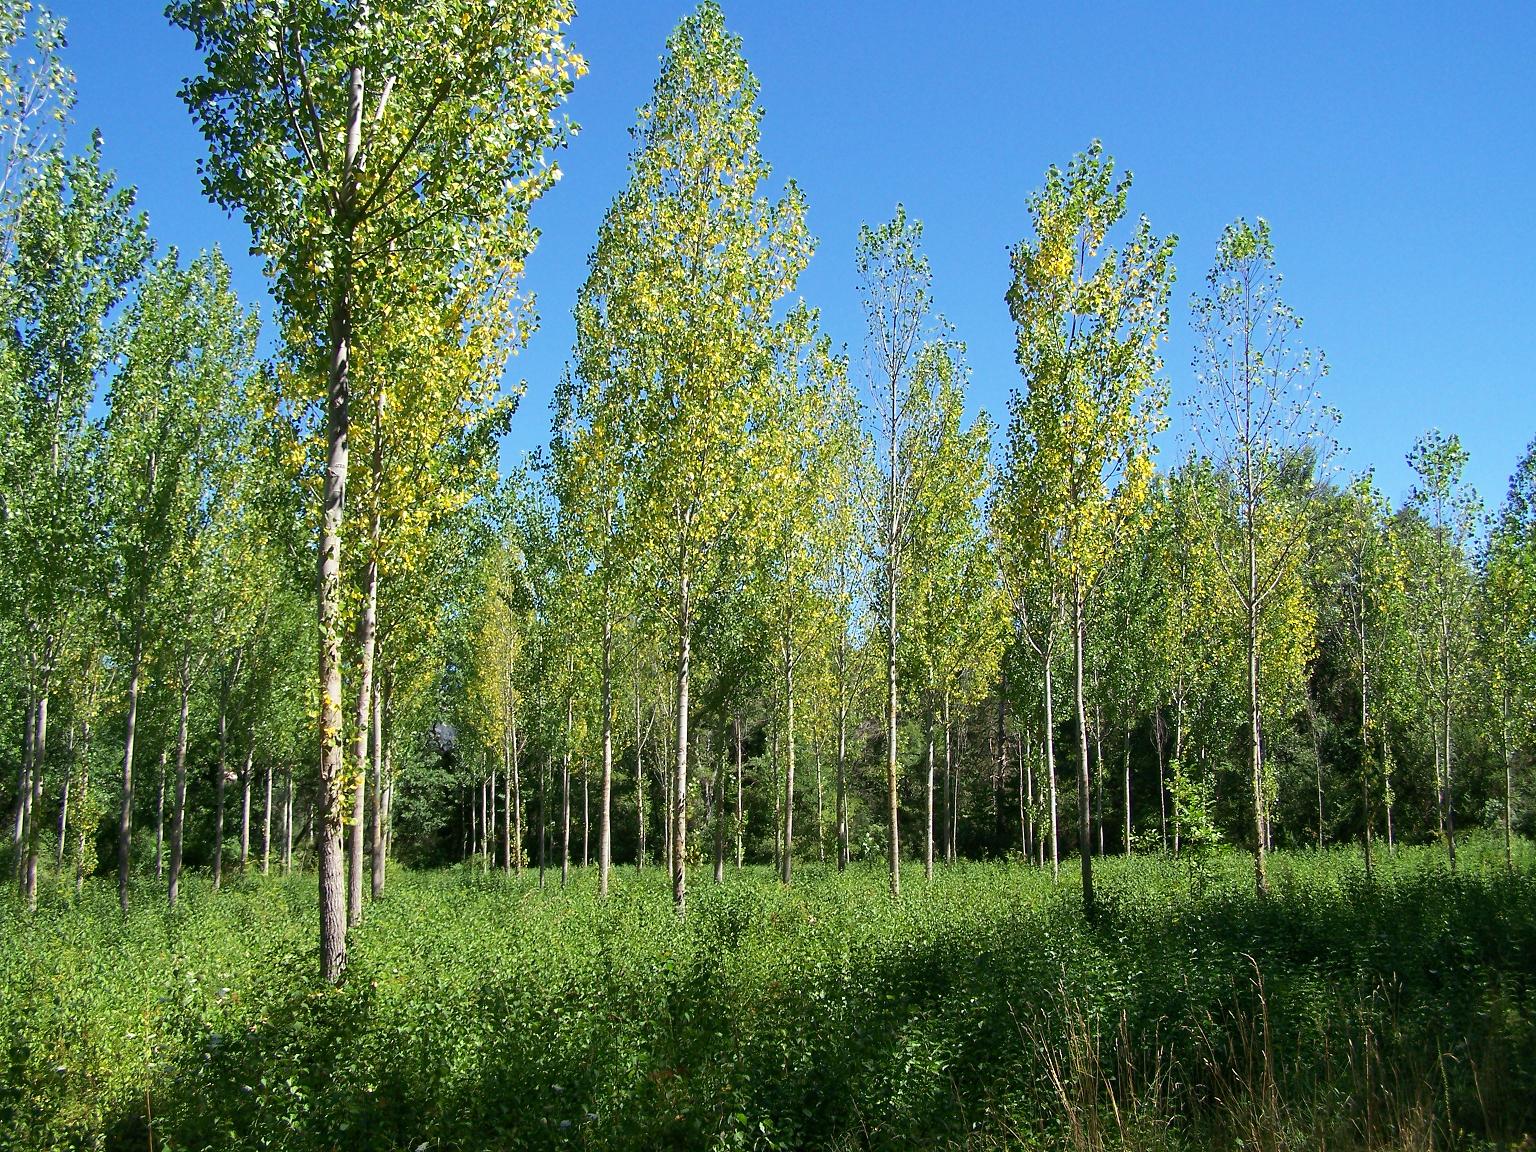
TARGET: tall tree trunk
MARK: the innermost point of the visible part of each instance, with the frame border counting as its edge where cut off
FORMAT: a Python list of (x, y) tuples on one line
[(179, 803), (787, 862), (1027, 834), (1450, 790), (517, 802), (586, 821), (1127, 764), (1367, 789), (1158, 740), (543, 817), (892, 805), (64, 802), (125, 815), (367, 633), (1260, 823), (226, 683), (35, 802), (1084, 830), (719, 819), (680, 787), (266, 824), (740, 808), (1050, 772), (24, 780), (389, 798), (287, 820), (928, 803), (376, 795), (639, 772), (842, 765), (605, 801), (245, 803), (1098, 776), (506, 800), (1509, 783), (332, 879), (821, 832), (565, 794), (165, 760), (85, 795)]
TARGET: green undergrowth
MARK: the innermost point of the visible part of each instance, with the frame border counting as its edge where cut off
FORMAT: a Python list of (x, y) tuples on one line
[(981, 1011)]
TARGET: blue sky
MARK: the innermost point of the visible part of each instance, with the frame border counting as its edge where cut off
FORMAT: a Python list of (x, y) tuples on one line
[(1391, 147)]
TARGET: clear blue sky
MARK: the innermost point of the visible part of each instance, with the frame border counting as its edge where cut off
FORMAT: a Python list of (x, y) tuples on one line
[(1391, 146)]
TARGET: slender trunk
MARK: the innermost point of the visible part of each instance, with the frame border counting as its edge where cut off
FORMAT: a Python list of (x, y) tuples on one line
[(842, 771), (680, 787), (376, 797), (1367, 806), (287, 820), (1386, 776), (125, 816), (389, 803), (565, 794), (1050, 772), (24, 780), (517, 802), (1026, 801), (506, 801), (946, 808), (789, 772), (1260, 823), (821, 831), (1098, 776), (367, 638), (740, 809), (1162, 782), (221, 771), (1450, 790), (35, 802), (1084, 831), (266, 825), (893, 807), (639, 772), (332, 879), (543, 817), (928, 805), (605, 801), (179, 804), (64, 807), (165, 759), (720, 809), (1127, 766), (1509, 783), (245, 804), (586, 821), (85, 794)]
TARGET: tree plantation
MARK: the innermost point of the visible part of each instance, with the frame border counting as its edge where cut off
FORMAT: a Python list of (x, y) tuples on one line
[(787, 753)]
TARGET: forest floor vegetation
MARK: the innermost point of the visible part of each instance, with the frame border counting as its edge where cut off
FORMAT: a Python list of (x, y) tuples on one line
[(978, 1011)]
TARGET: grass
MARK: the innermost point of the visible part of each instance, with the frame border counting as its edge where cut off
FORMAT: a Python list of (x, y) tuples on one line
[(978, 1012)]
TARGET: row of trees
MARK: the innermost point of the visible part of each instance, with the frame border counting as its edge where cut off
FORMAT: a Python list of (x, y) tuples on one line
[(802, 603)]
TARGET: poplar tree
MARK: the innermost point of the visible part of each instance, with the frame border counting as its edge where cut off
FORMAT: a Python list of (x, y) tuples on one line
[(679, 327), (79, 248), (354, 138), (895, 288), (1089, 321), (1443, 591), (1259, 419)]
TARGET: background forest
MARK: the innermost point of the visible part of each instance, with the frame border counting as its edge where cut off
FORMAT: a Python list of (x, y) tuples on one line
[(759, 602)]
